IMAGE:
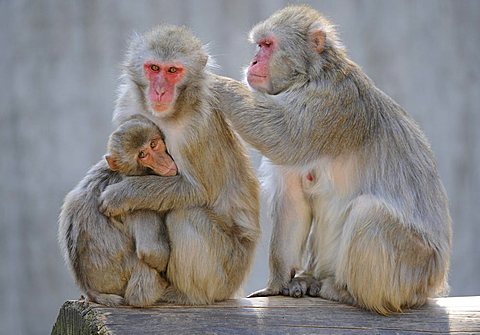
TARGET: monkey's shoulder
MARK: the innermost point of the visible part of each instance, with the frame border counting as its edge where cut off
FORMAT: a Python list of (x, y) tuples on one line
[(95, 181)]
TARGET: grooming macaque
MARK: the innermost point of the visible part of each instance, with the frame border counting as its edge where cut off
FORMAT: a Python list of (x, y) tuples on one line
[(359, 212), (118, 263), (213, 202)]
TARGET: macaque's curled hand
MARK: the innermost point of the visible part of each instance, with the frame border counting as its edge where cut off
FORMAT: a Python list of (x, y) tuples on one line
[(114, 200)]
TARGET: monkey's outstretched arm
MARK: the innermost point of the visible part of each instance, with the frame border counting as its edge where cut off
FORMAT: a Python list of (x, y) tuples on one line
[(265, 124), (151, 192)]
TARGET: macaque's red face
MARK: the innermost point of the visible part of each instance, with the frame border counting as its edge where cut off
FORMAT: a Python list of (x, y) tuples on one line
[(154, 156), (163, 79), (258, 74)]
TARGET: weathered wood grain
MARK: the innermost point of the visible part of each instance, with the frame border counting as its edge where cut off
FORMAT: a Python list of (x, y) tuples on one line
[(274, 315)]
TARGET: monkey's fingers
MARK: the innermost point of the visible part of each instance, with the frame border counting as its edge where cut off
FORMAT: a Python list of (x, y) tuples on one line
[(117, 222), (108, 208), (265, 292)]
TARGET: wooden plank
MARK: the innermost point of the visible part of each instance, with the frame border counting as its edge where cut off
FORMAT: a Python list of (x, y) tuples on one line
[(274, 315)]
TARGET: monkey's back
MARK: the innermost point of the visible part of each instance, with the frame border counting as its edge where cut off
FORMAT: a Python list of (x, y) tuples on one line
[(97, 252), (405, 169)]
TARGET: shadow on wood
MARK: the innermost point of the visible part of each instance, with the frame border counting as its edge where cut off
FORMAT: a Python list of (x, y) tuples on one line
[(274, 315)]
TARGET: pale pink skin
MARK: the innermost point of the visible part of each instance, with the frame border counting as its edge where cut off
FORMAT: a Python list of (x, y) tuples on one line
[(154, 156), (162, 83), (258, 72)]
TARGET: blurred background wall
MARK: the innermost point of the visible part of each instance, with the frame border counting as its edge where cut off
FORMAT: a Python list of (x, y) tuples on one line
[(59, 64)]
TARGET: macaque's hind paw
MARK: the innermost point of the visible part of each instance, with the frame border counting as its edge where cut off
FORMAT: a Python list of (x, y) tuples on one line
[(302, 286), (111, 300), (265, 292), (297, 288), (314, 289)]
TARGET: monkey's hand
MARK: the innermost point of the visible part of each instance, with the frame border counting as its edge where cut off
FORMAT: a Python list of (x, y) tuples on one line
[(114, 200)]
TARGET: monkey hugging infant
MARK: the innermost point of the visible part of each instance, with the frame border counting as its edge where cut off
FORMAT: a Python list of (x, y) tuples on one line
[(186, 237), (359, 214)]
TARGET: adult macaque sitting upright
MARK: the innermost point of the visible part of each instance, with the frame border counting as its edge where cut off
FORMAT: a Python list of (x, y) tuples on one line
[(213, 204), (359, 212)]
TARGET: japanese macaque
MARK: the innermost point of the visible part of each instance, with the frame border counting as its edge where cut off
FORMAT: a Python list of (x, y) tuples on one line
[(213, 203), (120, 263), (359, 212)]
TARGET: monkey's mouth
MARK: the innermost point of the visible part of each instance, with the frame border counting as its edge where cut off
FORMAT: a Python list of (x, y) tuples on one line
[(256, 77), (160, 106)]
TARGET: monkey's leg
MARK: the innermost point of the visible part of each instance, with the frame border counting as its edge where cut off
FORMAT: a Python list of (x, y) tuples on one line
[(304, 282), (145, 286), (383, 264), (206, 264), (151, 238), (291, 215)]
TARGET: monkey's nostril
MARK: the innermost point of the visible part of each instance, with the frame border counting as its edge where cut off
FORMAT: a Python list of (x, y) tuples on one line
[(254, 62)]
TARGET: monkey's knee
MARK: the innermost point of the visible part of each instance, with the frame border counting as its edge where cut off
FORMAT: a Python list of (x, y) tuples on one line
[(156, 257)]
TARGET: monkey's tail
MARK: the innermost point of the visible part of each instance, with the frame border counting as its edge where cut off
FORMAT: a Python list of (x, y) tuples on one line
[(106, 299)]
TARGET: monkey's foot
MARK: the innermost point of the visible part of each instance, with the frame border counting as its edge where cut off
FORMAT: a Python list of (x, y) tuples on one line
[(265, 292), (301, 286), (111, 300)]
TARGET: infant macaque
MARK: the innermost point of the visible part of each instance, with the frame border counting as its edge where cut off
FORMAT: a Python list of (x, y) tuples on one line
[(122, 262)]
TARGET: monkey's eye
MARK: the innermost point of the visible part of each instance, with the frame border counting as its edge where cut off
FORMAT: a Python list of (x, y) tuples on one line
[(153, 143), (154, 67), (141, 154), (172, 69), (265, 43)]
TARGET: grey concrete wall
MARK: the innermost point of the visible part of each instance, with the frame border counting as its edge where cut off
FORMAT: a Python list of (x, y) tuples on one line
[(58, 73)]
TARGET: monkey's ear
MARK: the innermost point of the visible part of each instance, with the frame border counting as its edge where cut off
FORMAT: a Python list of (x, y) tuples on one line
[(112, 162), (318, 36)]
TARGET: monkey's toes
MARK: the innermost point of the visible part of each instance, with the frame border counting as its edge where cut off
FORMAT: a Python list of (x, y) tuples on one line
[(314, 289), (108, 210), (297, 288)]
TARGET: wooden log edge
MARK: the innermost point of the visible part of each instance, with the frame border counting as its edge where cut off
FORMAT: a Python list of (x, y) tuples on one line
[(78, 318)]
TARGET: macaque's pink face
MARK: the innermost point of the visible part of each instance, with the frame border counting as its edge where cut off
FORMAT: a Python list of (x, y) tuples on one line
[(163, 79), (258, 74), (154, 156)]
